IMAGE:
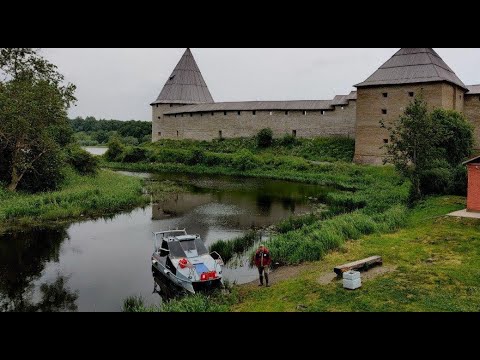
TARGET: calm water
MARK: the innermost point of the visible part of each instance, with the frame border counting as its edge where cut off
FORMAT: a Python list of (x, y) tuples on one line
[(96, 150), (94, 265)]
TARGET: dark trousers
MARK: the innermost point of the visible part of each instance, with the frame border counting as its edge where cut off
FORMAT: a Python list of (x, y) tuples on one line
[(263, 270)]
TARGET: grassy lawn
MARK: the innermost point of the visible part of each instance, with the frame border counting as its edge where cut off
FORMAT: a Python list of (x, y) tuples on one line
[(79, 197), (436, 263)]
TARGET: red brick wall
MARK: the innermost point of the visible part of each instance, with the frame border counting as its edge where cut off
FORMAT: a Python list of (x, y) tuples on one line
[(473, 200)]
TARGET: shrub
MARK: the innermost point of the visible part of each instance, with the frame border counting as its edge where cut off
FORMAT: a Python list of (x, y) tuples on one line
[(134, 154), (196, 157), (265, 138), (244, 160), (288, 141), (436, 180), (48, 174), (82, 161), (115, 150), (459, 182)]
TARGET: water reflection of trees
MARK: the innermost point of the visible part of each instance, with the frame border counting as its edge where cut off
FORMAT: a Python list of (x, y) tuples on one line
[(23, 257), (264, 204)]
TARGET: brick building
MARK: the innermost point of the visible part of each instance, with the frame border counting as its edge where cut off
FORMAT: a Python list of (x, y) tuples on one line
[(473, 196), (185, 109)]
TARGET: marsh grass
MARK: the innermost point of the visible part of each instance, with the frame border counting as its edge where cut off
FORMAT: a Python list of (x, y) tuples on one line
[(160, 190), (78, 197), (312, 242), (229, 248), (218, 301)]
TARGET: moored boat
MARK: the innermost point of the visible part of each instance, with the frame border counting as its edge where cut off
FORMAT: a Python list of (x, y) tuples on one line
[(185, 261)]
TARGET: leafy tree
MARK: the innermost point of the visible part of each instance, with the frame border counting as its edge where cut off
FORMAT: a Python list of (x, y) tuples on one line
[(265, 138), (132, 132), (82, 161), (33, 112), (428, 147), (115, 149)]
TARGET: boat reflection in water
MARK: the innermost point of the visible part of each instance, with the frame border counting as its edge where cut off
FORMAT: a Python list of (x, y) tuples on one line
[(164, 287)]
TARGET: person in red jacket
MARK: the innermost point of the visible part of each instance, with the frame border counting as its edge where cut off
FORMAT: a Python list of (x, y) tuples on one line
[(262, 261)]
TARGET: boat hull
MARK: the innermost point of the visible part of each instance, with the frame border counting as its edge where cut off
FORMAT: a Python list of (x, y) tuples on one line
[(185, 283)]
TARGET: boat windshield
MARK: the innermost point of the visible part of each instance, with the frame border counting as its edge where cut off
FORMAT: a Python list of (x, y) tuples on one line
[(194, 245), (201, 249), (176, 250)]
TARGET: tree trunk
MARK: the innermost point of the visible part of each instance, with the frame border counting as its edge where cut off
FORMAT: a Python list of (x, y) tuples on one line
[(15, 179), (16, 176)]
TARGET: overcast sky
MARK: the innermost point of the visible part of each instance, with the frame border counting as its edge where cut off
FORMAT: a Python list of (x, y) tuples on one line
[(121, 83)]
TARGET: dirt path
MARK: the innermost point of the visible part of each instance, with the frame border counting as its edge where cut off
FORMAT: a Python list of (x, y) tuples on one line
[(283, 273), (289, 272)]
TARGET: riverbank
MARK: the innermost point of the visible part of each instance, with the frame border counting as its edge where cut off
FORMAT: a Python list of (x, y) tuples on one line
[(431, 265), (79, 198)]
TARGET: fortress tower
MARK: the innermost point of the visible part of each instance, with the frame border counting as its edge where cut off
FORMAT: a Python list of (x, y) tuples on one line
[(184, 87), (386, 94)]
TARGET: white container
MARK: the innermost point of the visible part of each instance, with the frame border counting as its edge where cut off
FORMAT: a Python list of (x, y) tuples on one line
[(351, 275), (352, 280)]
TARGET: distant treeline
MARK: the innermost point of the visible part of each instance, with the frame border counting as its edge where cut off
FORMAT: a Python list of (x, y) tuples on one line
[(91, 132)]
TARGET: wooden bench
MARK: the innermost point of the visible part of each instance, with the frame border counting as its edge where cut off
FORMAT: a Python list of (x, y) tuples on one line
[(358, 265)]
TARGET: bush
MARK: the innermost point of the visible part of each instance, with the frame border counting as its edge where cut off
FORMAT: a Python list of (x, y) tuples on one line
[(196, 157), (288, 141), (82, 161), (48, 174), (436, 180), (115, 150), (130, 140), (459, 182), (265, 138), (244, 160), (134, 154)]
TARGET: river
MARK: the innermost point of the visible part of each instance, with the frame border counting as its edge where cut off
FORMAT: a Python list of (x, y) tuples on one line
[(96, 150), (94, 265)]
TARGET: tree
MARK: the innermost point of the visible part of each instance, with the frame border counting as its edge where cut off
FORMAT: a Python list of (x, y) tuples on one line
[(265, 138), (428, 147), (33, 111)]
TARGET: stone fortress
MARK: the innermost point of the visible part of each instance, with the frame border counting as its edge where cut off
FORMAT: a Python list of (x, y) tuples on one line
[(185, 109)]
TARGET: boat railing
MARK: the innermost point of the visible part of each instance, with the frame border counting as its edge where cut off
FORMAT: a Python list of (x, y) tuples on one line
[(218, 261)]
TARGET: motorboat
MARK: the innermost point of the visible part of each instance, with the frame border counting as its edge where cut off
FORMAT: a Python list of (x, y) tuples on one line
[(185, 261)]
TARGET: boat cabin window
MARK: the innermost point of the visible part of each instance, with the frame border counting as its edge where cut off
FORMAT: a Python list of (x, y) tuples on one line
[(176, 250), (192, 245), (164, 251), (201, 249), (188, 245)]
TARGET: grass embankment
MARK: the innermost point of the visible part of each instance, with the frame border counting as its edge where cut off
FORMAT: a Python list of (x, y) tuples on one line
[(215, 302), (79, 197), (436, 262), (318, 149)]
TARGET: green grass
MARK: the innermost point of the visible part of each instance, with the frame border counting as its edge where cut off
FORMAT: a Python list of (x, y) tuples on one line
[(437, 262), (79, 197), (313, 242), (318, 149), (228, 248), (214, 302)]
